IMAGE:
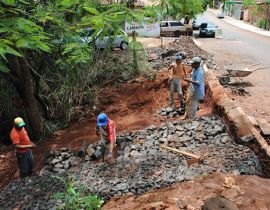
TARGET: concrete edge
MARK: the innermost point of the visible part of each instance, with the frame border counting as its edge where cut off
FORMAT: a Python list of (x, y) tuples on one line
[(239, 123)]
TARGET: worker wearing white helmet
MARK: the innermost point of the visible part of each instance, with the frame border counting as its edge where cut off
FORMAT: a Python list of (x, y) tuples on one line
[(23, 146), (197, 87)]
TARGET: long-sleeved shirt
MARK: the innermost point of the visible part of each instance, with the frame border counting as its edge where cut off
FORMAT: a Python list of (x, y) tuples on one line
[(199, 87), (20, 137)]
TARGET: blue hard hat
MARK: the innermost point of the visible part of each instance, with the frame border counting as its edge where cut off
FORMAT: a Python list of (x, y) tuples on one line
[(102, 119), (178, 57)]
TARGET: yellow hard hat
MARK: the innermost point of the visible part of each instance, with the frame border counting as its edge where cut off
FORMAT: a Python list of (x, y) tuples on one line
[(19, 122)]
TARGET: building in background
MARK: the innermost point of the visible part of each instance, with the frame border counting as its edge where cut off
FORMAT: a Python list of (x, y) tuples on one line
[(233, 8)]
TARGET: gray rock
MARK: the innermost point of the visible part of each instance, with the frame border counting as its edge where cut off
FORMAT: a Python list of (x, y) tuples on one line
[(75, 161), (151, 128), (163, 113), (59, 170), (180, 133), (65, 149), (66, 164), (90, 150), (127, 150), (179, 128), (134, 153), (56, 160), (59, 165), (169, 110), (87, 158)]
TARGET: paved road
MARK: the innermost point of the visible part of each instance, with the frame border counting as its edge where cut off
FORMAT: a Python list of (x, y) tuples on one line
[(238, 48)]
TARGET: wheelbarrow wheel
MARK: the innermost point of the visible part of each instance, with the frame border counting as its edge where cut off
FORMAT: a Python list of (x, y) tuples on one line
[(224, 80)]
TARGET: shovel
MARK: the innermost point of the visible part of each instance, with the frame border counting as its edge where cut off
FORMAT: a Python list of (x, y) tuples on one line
[(194, 158)]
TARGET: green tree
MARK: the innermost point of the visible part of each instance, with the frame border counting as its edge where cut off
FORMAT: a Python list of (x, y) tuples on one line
[(43, 57), (187, 9), (19, 38)]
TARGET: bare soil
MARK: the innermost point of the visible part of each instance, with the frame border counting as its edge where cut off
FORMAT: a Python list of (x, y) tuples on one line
[(133, 105), (247, 192)]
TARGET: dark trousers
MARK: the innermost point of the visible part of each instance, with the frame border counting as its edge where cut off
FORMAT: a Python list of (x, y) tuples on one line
[(25, 162)]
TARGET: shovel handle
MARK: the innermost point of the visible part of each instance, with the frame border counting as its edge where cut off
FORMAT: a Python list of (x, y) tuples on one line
[(181, 152)]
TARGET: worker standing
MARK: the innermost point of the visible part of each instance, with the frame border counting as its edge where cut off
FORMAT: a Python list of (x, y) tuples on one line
[(23, 146), (196, 89), (178, 73), (106, 129)]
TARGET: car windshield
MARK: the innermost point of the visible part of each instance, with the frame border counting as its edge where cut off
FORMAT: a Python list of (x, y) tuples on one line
[(208, 25)]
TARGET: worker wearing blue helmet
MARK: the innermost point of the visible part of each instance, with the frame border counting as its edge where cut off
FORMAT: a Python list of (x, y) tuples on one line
[(106, 129)]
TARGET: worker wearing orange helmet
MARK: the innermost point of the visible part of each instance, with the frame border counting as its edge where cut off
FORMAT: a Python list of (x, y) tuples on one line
[(23, 145)]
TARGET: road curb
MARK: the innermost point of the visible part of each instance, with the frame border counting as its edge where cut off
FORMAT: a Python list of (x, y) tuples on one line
[(239, 124)]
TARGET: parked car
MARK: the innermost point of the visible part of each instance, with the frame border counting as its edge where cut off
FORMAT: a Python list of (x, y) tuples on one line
[(196, 24), (208, 30), (220, 15), (102, 41), (119, 40), (174, 28)]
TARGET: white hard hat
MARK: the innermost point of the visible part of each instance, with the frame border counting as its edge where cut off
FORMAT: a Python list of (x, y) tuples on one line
[(196, 60)]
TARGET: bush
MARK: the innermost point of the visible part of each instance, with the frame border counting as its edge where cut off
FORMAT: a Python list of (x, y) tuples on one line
[(261, 23), (75, 199)]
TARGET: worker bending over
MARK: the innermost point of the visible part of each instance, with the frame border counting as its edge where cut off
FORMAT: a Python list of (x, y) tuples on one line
[(106, 129)]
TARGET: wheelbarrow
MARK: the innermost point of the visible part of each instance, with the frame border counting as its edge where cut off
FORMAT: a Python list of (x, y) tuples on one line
[(224, 79)]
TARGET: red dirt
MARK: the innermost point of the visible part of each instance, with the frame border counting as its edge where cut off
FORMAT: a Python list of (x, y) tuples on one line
[(132, 106), (248, 192)]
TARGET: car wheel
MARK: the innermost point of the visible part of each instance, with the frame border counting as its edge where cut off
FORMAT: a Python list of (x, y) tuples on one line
[(176, 33), (190, 32), (124, 45)]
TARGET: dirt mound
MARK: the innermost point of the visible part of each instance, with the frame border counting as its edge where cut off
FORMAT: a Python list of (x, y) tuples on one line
[(247, 192), (185, 46)]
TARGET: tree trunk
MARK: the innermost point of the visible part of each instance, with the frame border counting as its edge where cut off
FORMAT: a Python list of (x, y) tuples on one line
[(29, 101), (25, 89)]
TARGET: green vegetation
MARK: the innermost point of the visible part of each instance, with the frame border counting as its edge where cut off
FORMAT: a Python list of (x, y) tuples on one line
[(73, 199)]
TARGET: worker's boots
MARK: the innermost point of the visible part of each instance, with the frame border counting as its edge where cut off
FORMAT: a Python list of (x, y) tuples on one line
[(182, 109)]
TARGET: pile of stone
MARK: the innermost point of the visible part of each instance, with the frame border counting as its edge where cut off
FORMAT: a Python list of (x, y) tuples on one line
[(142, 165), (32, 193), (185, 46), (60, 161), (170, 112)]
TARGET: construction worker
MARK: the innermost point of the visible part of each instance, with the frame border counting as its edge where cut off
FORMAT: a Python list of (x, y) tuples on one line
[(178, 73), (106, 129), (196, 89), (23, 145)]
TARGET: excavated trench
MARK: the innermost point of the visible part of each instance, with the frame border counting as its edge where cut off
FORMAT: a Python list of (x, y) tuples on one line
[(141, 165)]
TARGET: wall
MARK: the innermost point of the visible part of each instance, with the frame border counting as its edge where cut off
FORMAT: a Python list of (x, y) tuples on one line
[(144, 29)]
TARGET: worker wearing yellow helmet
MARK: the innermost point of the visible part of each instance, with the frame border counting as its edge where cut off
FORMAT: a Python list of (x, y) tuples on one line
[(20, 139)]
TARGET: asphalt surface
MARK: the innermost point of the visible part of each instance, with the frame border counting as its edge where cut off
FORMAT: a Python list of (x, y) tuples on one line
[(239, 48)]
